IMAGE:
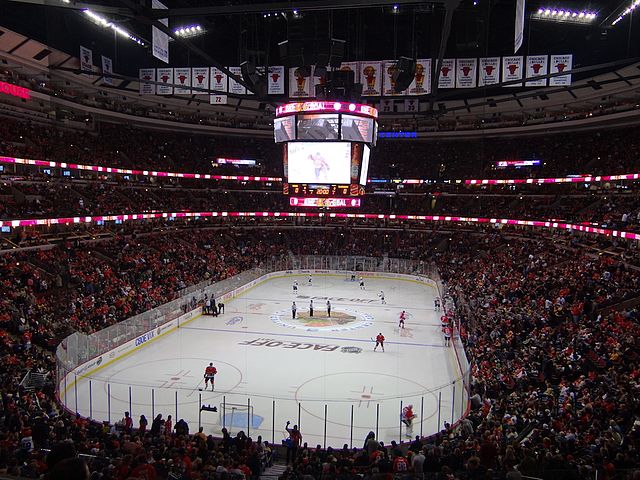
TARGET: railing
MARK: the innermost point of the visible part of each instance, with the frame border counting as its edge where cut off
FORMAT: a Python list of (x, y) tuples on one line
[(81, 388)]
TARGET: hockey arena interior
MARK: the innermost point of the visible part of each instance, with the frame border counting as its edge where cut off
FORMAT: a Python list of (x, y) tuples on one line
[(314, 240)]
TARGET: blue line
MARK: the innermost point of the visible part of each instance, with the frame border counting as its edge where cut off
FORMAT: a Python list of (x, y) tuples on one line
[(309, 336)]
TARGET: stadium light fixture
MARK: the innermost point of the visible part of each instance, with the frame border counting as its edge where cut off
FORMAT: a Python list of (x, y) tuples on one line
[(563, 15), (189, 31), (103, 22), (634, 4)]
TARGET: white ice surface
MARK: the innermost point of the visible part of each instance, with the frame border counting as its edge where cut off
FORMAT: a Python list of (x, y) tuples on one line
[(296, 372)]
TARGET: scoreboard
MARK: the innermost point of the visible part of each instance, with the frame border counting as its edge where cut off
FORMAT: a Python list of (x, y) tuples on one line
[(326, 148)]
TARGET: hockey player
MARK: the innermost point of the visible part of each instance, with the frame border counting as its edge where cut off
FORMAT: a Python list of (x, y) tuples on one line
[(447, 335), (209, 375), (293, 310), (295, 287), (407, 417), (310, 281), (328, 309), (381, 295), (379, 342), (436, 304), (361, 280), (403, 315)]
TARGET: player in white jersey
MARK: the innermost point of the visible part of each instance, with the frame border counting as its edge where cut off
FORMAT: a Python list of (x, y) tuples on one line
[(361, 280), (381, 295), (436, 304), (295, 286)]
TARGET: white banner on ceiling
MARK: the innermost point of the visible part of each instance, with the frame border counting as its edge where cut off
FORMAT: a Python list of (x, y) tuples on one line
[(371, 74), (421, 84), (559, 64), (537, 66), (200, 79), (411, 105), (275, 80), (86, 59), (512, 70), (218, 80), (489, 72), (160, 40), (165, 75), (385, 106), (107, 67), (388, 85), (218, 99), (519, 26), (299, 85), (466, 69), (148, 74), (447, 74), (182, 78), (235, 87)]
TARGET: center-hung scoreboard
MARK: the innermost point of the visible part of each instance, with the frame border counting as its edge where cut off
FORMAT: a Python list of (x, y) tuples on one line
[(326, 151)]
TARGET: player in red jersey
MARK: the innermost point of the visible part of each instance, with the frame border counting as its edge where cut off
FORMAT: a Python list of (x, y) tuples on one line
[(209, 375), (407, 418), (379, 342), (403, 316)]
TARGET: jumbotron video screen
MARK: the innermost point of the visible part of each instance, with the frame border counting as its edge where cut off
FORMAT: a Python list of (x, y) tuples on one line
[(326, 150)]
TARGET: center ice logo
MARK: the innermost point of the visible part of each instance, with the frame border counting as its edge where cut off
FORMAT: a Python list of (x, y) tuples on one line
[(342, 319)]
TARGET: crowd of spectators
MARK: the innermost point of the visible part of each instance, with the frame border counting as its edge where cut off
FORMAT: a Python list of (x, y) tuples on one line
[(555, 358), (603, 152), (47, 198)]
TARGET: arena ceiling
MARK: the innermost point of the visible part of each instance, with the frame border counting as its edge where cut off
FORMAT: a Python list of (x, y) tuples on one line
[(238, 30)]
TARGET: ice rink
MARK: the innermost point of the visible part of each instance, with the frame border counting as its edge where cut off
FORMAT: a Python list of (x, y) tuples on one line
[(317, 371)]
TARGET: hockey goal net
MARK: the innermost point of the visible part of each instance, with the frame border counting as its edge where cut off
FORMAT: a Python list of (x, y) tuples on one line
[(235, 415)]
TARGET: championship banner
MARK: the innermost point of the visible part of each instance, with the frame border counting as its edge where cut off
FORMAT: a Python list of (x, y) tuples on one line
[(411, 105), (537, 66), (389, 86), (148, 74), (421, 84), (512, 70), (559, 64), (107, 67), (165, 75), (160, 40), (218, 80), (317, 80), (182, 77), (235, 87), (86, 59), (200, 79), (275, 80), (466, 69), (353, 66), (299, 85), (371, 76), (447, 74), (489, 71)]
